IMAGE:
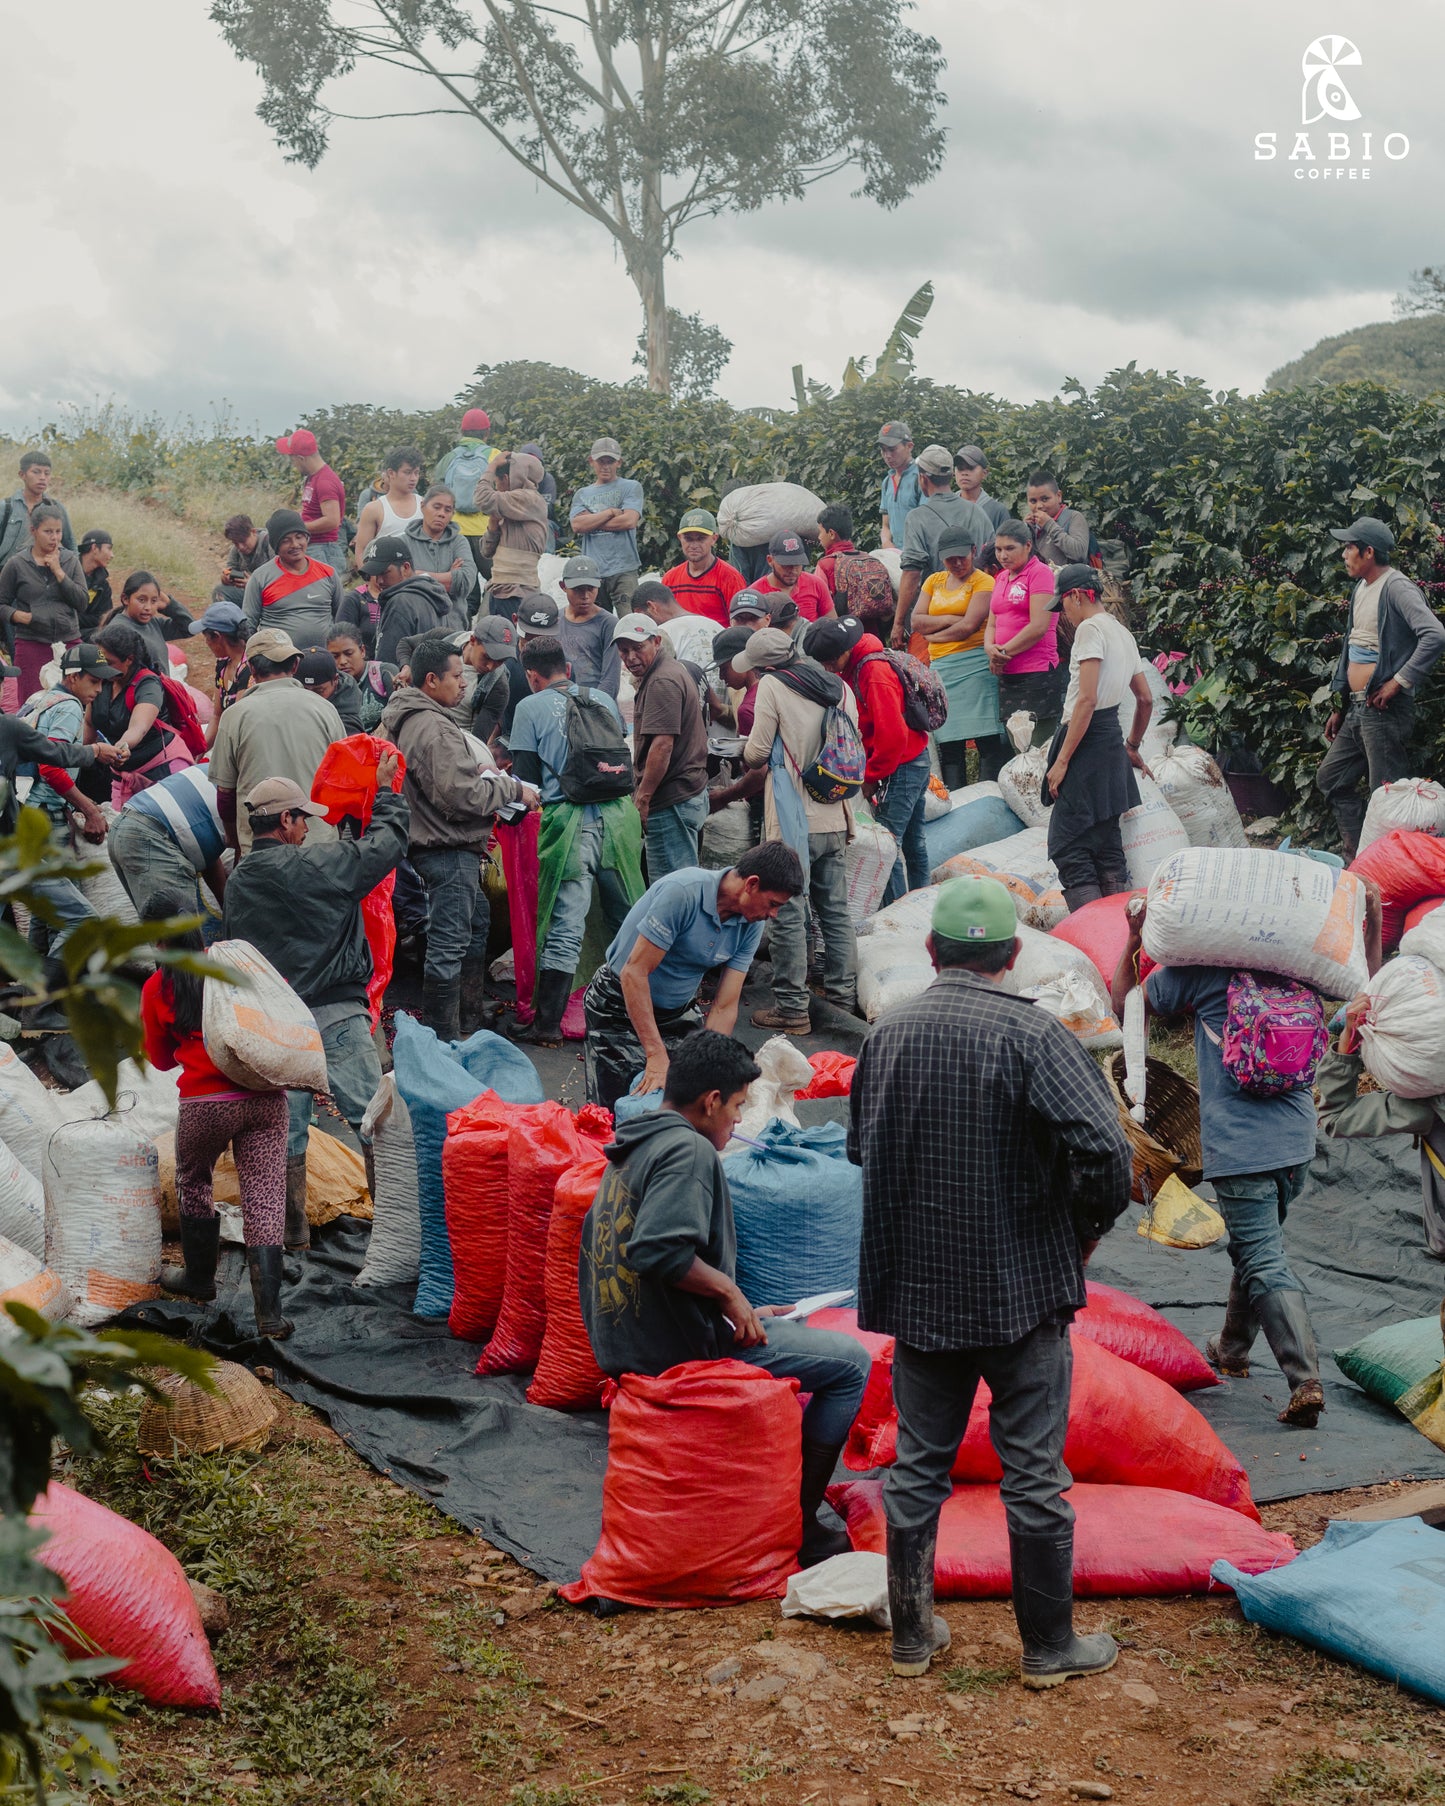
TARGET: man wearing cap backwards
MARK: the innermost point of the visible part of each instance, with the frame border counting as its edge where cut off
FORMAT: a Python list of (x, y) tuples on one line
[(941, 509), (293, 593), (605, 515), (298, 901), (970, 471), (788, 575), (507, 490), (669, 746), (900, 493), (896, 778), (703, 583), (273, 729), (1392, 640), (585, 629), (460, 469), (975, 1235), (323, 498), (411, 604), (1089, 780)]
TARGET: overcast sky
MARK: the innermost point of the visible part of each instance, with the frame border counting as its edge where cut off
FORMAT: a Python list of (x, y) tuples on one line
[(1101, 202)]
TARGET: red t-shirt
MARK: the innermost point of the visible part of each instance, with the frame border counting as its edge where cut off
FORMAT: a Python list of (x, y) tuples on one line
[(166, 1048), (324, 486), (809, 592), (708, 594)]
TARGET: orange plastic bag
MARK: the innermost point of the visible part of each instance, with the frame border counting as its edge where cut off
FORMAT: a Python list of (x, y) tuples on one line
[(474, 1184), (700, 1502), (541, 1145), (832, 1075), (1126, 1428), (568, 1377), (1128, 1540), (1409, 866)]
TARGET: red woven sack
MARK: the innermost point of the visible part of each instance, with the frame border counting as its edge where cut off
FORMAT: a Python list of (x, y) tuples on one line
[(1099, 929), (1139, 1334), (1128, 1540), (345, 779), (832, 1075), (130, 1596), (474, 1185), (678, 1530), (1126, 1428), (542, 1144), (1409, 866), (568, 1377), (1414, 917), (876, 1408)]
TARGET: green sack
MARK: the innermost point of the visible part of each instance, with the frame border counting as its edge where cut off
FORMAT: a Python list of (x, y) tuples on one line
[(1395, 1359)]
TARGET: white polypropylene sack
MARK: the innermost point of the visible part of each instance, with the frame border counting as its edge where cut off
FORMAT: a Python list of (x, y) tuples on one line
[(1160, 735), (28, 1112), (1427, 938), (259, 1033), (891, 558), (503, 968), (25, 1279), (1402, 1035), (1262, 911), (844, 1586), (394, 1254), (1021, 863), (1151, 833), (1066, 983), (149, 1099), (872, 853), (935, 805), (1194, 788), (893, 962), (785, 1071), (1021, 782), (726, 836), (22, 1204), (752, 515), (102, 1215), (1406, 803), (549, 577)]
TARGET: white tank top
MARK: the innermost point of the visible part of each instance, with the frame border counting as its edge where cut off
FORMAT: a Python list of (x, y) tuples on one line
[(394, 524)]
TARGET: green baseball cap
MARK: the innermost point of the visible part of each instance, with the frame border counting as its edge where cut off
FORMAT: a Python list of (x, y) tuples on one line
[(697, 520), (975, 909)]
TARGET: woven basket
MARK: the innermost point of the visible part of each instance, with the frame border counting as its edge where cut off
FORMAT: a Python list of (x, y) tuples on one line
[(238, 1415), (1167, 1141)]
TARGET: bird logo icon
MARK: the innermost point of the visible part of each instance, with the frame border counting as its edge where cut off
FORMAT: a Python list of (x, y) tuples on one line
[(1324, 94)]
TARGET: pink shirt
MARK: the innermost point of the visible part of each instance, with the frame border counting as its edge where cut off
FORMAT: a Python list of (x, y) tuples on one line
[(324, 486), (1011, 593)]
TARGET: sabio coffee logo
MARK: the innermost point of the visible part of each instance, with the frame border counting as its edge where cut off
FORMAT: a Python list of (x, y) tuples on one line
[(1326, 95)]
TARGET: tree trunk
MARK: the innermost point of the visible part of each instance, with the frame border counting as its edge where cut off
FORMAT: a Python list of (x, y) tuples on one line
[(648, 272)]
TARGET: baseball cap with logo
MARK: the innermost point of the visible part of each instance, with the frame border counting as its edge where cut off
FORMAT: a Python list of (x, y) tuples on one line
[(749, 603), (636, 630), (935, 461), (1368, 532), (84, 657), (980, 910), (896, 432), (831, 637), (273, 643), (381, 554), (496, 636), (606, 448), (581, 573), (697, 520), (972, 455), (537, 613), (276, 795), (787, 548), (301, 444), (317, 667)]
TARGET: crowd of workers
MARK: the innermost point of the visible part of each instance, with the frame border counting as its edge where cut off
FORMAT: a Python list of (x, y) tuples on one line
[(628, 718)]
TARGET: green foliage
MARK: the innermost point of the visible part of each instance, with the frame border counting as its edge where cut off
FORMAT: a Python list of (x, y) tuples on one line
[(1406, 354), (977, 1680), (696, 353), (892, 364), (161, 461)]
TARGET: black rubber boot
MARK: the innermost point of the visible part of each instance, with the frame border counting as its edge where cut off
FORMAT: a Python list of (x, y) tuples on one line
[(553, 991), (1043, 1598), (918, 1635), (1287, 1329), (298, 1230), (265, 1266), (819, 1541), (200, 1249), (475, 1012), (441, 1008), (1229, 1350)]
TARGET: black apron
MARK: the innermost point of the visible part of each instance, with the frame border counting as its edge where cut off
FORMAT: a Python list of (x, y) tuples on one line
[(1099, 785), (613, 1055)]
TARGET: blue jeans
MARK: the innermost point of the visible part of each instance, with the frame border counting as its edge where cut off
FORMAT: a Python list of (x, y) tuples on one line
[(828, 894), (149, 863), (459, 912), (1254, 1206), (1028, 1421), (899, 807), (353, 1075), (672, 835), (563, 946), (68, 902), (830, 1366)]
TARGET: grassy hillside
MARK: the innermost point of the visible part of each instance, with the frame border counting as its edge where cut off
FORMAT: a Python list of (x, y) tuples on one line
[(1407, 354)]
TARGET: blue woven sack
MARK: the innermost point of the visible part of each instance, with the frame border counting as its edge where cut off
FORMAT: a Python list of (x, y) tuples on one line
[(976, 823), (436, 1077), (798, 1207), (1372, 1593)]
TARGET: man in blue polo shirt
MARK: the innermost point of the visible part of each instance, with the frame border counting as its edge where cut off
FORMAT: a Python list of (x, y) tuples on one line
[(901, 491), (645, 995)]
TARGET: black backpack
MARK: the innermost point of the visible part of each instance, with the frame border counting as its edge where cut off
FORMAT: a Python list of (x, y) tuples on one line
[(599, 760)]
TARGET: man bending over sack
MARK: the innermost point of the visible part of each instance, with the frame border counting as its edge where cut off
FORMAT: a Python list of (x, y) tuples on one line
[(644, 996), (977, 1222), (659, 1255)]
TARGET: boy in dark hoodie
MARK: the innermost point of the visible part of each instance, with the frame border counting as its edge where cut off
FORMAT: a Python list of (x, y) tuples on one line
[(659, 1257)]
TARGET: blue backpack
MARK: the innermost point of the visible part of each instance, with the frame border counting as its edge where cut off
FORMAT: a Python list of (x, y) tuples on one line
[(466, 464)]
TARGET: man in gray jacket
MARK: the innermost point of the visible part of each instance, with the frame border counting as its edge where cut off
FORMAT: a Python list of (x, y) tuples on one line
[(1392, 640), (454, 792)]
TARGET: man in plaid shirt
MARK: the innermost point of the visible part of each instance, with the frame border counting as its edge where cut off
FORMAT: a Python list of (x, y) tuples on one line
[(993, 1160)]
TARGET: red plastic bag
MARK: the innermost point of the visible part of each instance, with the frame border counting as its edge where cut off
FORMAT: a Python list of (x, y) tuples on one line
[(379, 923), (1128, 1540), (1139, 1334), (876, 1408), (474, 1185), (517, 842), (700, 1502), (542, 1144), (1099, 929), (1414, 917), (568, 1377), (832, 1075), (130, 1596), (1126, 1428), (345, 779), (1409, 866)]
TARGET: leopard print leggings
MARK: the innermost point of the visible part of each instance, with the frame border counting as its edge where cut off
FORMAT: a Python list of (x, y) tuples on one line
[(254, 1128)]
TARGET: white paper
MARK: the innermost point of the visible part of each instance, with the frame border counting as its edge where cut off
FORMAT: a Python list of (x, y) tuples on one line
[(820, 1301)]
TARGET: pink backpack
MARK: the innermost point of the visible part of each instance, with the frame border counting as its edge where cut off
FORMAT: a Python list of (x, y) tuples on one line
[(1274, 1035)]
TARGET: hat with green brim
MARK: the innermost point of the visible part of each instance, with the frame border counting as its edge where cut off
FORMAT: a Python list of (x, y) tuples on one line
[(697, 520), (975, 910)]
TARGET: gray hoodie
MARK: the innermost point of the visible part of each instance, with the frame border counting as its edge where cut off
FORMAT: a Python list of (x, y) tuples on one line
[(663, 1203)]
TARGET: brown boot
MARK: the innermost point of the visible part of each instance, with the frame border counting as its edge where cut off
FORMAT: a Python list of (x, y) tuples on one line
[(298, 1230)]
